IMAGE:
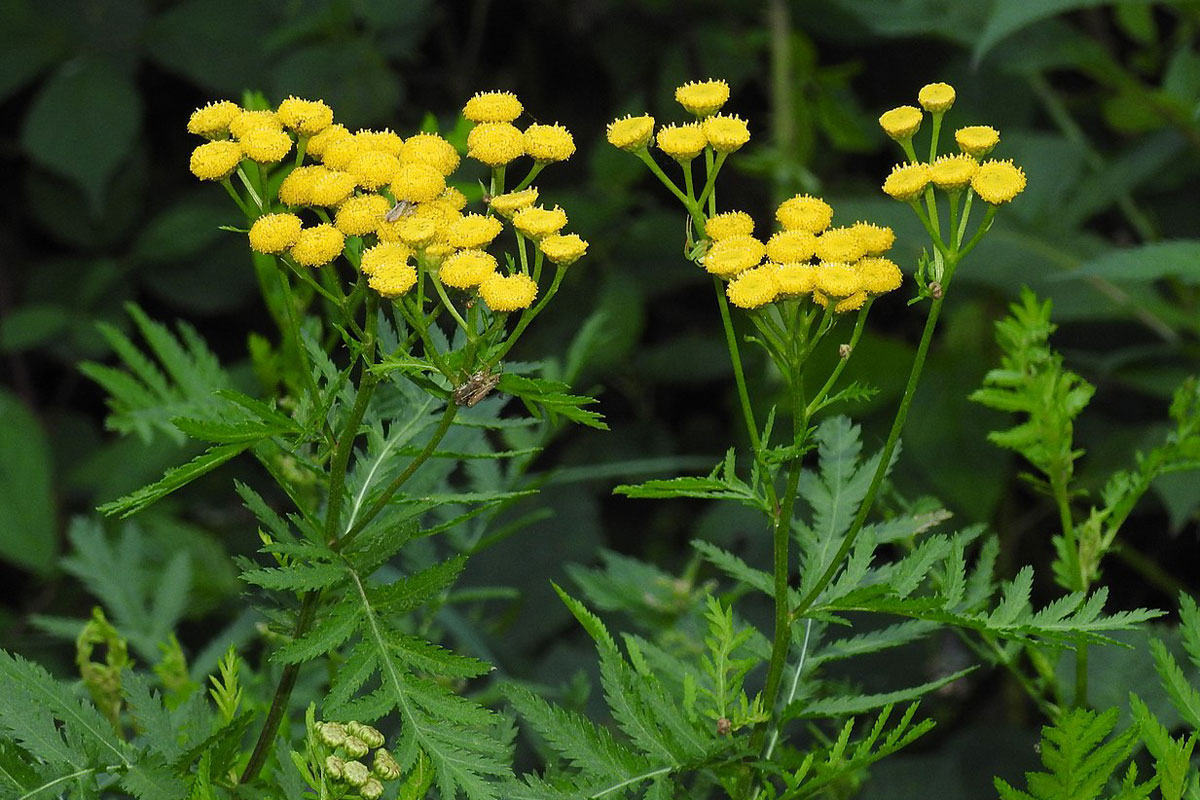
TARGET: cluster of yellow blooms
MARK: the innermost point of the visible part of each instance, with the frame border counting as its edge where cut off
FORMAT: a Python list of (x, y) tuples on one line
[(722, 132), (392, 193)]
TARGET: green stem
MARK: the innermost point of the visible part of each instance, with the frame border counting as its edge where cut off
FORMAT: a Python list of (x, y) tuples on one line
[(688, 203), (738, 375), (237, 198), (533, 173), (860, 324)]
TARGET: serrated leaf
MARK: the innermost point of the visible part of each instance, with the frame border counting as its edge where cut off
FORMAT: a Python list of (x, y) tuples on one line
[(174, 479), (849, 705)]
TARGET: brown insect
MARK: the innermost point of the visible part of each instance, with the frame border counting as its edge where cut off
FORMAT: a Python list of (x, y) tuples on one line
[(475, 388), (403, 208)]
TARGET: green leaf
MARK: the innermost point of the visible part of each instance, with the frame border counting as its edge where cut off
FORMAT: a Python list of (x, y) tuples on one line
[(297, 577), (1184, 696), (851, 704), (1147, 262), (27, 512), (175, 478), (544, 397), (31, 325), (1010, 16)]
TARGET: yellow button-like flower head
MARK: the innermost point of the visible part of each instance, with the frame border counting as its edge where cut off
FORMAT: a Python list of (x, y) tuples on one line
[(339, 153), (977, 140), (631, 133), (384, 256), (495, 143), (305, 117), (907, 182), (563, 249), (508, 293), (936, 97), (804, 213), (213, 120), (296, 188), (754, 288), (536, 222), (953, 172), (334, 133), (453, 198), (998, 182), (318, 245), (358, 216), (508, 204), (385, 141), (415, 231), (682, 142), (431, 149), (493, 107), (265, 145), (878, 275), (730, 223), (840, 245), (547, 143), (901, 123), (331, 187), (726, 133), (876, 239), (274, 233), (837, 279), (417, 183), (793, 245), (852, 303), (703, 97), (473, 231), (373, 168), (727, 257), (246, 121), (393, 281), (214, 161), (466, 269), (795, 279)]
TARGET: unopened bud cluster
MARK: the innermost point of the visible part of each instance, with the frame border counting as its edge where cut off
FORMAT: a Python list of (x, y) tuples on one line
[(350, 742)]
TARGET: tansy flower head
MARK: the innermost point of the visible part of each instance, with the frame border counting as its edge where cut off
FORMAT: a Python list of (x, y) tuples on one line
[(907, 181), (901, 123), (246, 121), (331, 187), (318, 245), (415, 231), (508, 293), (417, 183), (702, 97), (431, 149), (793, 245), (795, 279), (213, 119), (977, 140), (467, 269), (726, 133), (305, 117), (266, 146), (453, 198), (495, 143), (840, 245), (393, 281), (334, 133), (952, 172), (536, 222), (631, 133), (936, 97), (754, 288), (473, 231), (730, 223), (508, 204), (214, 161), (384, 256), (441, 211), (682, 142), (493, 107), (727, 257), (296, 188), (804, 213), (339, 153), (878, 275), (547, 143), (876, 239), (998, 182), (836, 279), (563, 249), (373, 168), (358, 216), (385, 141), (274, 233), (852, 303)]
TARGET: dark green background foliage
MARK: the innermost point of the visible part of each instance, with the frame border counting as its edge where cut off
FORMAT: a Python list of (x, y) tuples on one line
[(1098, 102)]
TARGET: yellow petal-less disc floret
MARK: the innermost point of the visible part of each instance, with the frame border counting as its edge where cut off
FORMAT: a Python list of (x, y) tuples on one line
[(508, 204), (318, 245), (793, 245), (876, 239), (504, 293), (795, 279), (548, 143), (393, 281), (754, 288), (417, 183), (998, 182), (837, 279), (339, 153), (536, 222), (840, 245), (953, 172), (977, 140), (373, 168), (729, 223), (247, 121), (682, 142), (702, 97), (492, 107), (360, 215), (334, 133), (415, 231), (214, 161), (453, 198), (726, 133), (804, 213), (305, 117), (901, 123), (265, 145), (907, 182), (727, 257), (852, 303), (878, 275), (631, 133), (473, 231), (495, 143), (385, 141), (936, 97), (331, 187), (431, 149), (563, 249), (296, 188), (466, 269), (274, 233), (212, 121), (384, 256)]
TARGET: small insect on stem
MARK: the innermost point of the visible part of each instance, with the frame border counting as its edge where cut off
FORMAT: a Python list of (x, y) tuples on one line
[(475, 388), (403, 208)]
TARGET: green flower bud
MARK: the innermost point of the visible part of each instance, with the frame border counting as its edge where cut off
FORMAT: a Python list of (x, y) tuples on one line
[(355, 747), (366, 733), (355, 773), (371, 790), (385, 766), (331, 733), (334, 766)]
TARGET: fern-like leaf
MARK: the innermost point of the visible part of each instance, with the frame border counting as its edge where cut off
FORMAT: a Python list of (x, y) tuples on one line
[(1078, 756)]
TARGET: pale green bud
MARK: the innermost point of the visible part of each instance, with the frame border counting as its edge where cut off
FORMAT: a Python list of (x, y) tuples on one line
[(355, 773)]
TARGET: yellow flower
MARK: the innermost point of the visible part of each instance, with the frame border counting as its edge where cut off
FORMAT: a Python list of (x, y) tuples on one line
[(936, 97), (508, 204), (547, 143), (431, 149), (339, 153), (852, 303), (414, 231), (840, 245), (495, 143), (508, 293), (795, 279), (536, 222), (418, 183), (334, 133), (682, 142), (998, 182), (726, 133), (754, 288), (876, 239), (274, 233), (318, 245), (730, 223), (385, 141), (384, 256), (977, 140), (331, 187), (837, 279), (246, 121), (265, 145), (393, 280), (360, 215), (493, 107), (214, 161), (453, 198), (901, 123), (373, 168), (442, 212), (878, 275), (296, 188), (793, 245), (435, 252), (213, 119), (702, 97), (563, 249), (467, 269), (952, 172), (907, 181), (727, 257), (473, 231), (305, 117), (804, 213), (631, 133)]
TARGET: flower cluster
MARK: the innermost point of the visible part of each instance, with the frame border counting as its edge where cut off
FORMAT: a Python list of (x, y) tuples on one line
[(722, 132), (495, 141), (350, 742)]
